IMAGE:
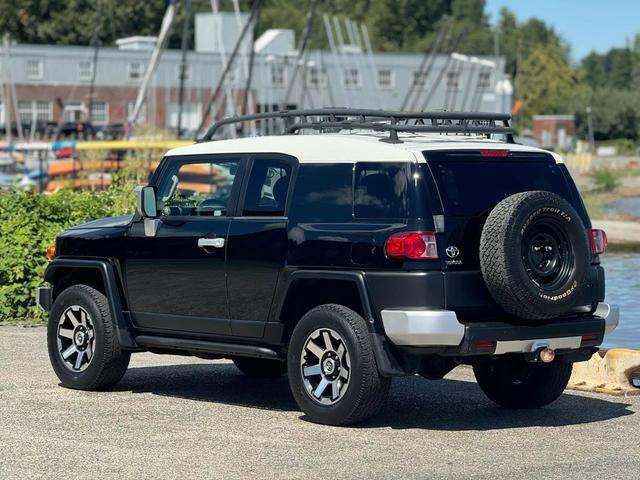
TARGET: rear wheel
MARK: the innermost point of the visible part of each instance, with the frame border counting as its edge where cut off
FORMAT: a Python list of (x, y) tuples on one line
[(83, 347), (260, 367), (515, 383), (332, 369)]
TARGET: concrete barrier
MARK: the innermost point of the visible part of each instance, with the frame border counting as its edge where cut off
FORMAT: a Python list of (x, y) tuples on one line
[(611, 373)]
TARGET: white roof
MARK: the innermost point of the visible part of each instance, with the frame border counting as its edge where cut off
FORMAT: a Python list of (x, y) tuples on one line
[(350, 147)]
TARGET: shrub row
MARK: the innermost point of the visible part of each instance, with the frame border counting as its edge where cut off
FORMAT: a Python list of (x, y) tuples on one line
[(29, 222)]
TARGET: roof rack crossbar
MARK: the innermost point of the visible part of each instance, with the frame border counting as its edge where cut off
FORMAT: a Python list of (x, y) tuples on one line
[(349, 125), (368, 119)]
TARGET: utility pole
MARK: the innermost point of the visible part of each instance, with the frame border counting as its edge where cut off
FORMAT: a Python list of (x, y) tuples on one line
[(246, 68), (247, 87), (334, 52), (444, 69), (95, 42), (475, 61), (372, 63), (214, 95), (301, 52), (5, 87), (11, 88), (183, 62), (167, 22), (227, 101), (426, 64), (592, 143)]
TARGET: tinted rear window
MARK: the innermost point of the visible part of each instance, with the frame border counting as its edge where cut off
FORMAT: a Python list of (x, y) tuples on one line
[(323, 193), (470, 184), (381, 190)]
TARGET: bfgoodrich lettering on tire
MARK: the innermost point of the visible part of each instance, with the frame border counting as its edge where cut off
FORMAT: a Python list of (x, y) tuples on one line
[(83, 347), (534, 255), (332, 369)]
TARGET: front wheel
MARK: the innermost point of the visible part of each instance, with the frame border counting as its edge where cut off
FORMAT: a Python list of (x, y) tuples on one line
[(513, 382), (83, 347), (332, 369)]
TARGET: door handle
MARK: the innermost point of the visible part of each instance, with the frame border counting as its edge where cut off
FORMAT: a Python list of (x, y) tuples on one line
[(211, 242)]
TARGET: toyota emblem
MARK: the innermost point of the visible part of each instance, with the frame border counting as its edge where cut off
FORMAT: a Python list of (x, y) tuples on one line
[(452, 252)]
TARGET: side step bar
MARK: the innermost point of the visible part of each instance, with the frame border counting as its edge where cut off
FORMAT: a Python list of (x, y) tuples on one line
[(220, 348)]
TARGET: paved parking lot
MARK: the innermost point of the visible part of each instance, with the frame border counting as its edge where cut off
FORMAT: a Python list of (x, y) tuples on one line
[(174, 417)]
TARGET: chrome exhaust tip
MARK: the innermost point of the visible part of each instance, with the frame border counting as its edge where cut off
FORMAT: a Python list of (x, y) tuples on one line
[(546, 355)]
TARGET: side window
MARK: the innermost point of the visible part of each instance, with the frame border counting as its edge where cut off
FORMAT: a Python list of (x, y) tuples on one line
[(323, 193), (198, 188), (267, 188), (381, 190)]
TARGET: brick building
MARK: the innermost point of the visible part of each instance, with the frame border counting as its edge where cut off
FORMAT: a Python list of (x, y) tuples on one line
[(557, 132), (52, 83)]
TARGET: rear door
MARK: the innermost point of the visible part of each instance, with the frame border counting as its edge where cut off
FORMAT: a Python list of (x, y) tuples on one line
[(175, 277), (257, 242), (468, 184)]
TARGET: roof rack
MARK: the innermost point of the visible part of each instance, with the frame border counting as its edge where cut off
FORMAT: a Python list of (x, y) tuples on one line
[(336, 119)]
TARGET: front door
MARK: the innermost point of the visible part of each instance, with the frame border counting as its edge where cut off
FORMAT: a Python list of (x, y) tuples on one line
[(175, 278), (258, 243)]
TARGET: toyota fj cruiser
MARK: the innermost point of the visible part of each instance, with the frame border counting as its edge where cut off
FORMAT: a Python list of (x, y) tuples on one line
[(385, 244)]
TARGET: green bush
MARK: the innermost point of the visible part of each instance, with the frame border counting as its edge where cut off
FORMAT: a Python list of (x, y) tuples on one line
[(605, 179), (29, 222)]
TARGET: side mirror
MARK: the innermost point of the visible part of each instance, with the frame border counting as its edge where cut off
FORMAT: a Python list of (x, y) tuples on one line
[(146, 201)]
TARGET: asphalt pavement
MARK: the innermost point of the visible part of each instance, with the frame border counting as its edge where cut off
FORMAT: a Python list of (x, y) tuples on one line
[(180, 417)]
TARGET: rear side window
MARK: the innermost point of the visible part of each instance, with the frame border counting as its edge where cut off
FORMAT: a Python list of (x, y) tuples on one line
[(267, 188), (470, 184), (381, 190), (323, 193)]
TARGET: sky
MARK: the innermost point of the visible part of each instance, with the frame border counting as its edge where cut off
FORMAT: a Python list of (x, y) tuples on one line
[(585, 24)]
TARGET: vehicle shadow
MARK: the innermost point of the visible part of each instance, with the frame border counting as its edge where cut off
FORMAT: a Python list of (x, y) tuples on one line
[(413, 402)]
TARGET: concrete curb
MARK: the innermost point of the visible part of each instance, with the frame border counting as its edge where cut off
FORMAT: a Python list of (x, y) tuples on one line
[(609, 374)]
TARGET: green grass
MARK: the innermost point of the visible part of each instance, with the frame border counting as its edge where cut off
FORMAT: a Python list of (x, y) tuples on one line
[(594, 201)]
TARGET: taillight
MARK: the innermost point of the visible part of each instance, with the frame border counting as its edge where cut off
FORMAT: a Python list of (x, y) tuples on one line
[(412, 245), (598, 241)]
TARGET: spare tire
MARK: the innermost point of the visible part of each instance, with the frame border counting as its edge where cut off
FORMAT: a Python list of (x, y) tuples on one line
[(534, 255)]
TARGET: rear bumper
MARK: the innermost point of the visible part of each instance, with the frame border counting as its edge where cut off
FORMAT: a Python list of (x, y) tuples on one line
[(441, 332)]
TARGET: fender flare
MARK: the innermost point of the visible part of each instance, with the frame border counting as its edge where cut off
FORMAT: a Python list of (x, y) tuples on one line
[(388, 364), (113, 293)]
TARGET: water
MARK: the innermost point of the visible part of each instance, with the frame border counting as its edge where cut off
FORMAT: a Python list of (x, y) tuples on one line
[(622, 273), (625, 206)]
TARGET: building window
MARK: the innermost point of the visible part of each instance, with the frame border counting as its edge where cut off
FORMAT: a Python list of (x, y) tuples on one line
[(278, 75), (34, 70), (44, 112), (316, 77), (352, 78), (37, 110), (187, 73), (453, 80), (99, 112), (386, 78), (419, 79), (24, 111), (191, 115), (484, 80), (134, 72), (85, 71), (73, 111), (142, 117)]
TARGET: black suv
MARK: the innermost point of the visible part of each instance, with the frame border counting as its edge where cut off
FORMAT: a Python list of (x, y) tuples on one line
[(411, 243)]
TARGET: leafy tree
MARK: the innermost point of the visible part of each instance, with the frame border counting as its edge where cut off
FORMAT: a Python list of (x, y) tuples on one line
[(546, 80)]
